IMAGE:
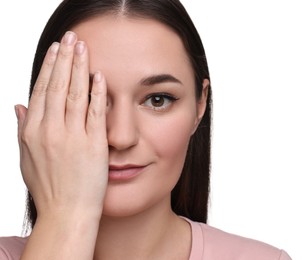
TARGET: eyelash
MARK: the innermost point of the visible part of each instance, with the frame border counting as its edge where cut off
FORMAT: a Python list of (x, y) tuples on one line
[(167, 98)]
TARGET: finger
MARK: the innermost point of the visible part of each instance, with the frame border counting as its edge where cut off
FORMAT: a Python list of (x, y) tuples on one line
[(96, 115), (77, 98), (21, 113), (37, 101), (58, 85)]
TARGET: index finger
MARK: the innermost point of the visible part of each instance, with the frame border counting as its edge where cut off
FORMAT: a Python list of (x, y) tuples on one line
[(36, 106)]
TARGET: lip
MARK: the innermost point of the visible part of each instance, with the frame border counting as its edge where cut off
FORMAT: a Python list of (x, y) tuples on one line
[(124, 172)]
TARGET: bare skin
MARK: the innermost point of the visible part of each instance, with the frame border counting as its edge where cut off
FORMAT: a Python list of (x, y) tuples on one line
[(56, 175), (67, 144)]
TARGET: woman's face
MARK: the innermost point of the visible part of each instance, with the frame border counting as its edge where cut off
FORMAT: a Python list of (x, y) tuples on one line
[(152, 108)]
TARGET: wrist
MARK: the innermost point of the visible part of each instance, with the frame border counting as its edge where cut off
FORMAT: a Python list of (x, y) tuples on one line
[(63, 236)]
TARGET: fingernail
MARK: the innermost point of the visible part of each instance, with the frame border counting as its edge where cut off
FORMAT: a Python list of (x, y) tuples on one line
[(54, 48), (97, 77), (69, 38), (17, 111), (80, 47)]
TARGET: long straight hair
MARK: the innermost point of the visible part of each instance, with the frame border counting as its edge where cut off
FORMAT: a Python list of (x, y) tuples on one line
[(190, 196)]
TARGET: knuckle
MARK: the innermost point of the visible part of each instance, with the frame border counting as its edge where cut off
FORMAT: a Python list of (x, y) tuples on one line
[(79, 64), (74, 95), (65, 53), (96, 93), (48, 144), (42, 139), (93, 112), (49, 61), (40, 87), (49, 141), (56, 85)]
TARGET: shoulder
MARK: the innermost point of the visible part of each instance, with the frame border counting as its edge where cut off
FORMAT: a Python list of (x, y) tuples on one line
[(213, 243), (11, 248)]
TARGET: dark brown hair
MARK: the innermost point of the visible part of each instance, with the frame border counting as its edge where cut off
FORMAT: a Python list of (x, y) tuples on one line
[(190, 195)]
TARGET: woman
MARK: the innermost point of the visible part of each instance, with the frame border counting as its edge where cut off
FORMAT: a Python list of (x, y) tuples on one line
[(115, 143)]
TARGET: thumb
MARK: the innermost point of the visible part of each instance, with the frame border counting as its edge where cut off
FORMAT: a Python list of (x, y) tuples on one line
[(21, 112)]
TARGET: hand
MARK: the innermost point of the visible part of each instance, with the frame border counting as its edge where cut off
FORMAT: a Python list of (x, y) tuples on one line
[(62, 137)]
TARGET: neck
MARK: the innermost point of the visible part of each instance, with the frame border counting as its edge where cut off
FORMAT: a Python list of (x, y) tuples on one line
[(153, 233)]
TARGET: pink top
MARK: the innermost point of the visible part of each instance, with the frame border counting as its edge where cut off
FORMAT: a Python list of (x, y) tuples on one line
[(208, 243)]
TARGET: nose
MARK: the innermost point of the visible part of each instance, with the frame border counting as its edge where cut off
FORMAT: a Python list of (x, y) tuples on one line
[(122, 132)]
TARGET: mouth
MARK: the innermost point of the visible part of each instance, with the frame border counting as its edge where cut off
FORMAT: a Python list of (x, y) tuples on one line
[(124, 172)]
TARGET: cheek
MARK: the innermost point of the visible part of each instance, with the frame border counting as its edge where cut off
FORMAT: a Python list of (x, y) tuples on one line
[(169, 137)]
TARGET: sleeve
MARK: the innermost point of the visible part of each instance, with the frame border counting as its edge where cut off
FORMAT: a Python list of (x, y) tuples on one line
[(3, 255), (284, 256), (11, 248)]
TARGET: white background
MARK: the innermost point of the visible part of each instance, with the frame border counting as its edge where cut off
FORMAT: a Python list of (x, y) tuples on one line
[(255, 60)]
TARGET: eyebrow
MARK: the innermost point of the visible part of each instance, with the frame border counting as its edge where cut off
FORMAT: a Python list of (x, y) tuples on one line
[(152, 80), (157, 79)]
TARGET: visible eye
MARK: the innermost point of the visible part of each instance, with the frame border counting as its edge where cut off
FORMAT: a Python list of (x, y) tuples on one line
[(159, 101)]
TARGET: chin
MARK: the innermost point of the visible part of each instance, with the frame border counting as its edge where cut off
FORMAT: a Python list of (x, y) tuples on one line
[(134, 206)]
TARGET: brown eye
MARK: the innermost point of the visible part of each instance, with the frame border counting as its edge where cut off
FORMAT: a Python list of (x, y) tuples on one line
[(159, 101)]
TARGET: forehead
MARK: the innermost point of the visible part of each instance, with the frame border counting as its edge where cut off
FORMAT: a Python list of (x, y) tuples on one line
[(119, 44)]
